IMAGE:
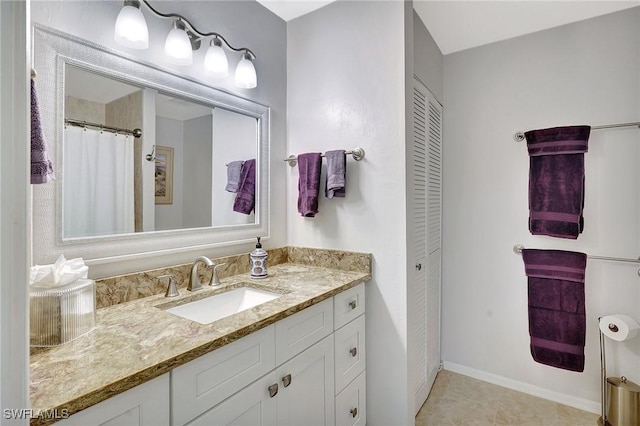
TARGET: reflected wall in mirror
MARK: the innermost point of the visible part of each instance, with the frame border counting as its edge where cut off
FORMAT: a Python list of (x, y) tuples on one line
[(207, 129), (105, 179)]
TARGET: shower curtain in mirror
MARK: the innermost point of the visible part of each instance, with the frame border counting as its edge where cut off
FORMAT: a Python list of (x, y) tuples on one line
[(98, 197)]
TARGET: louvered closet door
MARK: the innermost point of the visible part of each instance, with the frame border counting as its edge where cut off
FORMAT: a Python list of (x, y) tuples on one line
[(427, 221)]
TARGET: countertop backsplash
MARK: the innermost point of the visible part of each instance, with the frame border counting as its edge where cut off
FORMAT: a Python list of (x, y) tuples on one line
[(125, 288)]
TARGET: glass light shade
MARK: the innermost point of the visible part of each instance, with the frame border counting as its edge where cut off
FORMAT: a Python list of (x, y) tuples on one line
[(131, 28), (215, 61), (178, 46), (246, 77)]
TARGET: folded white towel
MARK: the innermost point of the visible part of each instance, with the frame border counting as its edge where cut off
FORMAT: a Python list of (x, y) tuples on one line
[(336, 173), (234, 171)]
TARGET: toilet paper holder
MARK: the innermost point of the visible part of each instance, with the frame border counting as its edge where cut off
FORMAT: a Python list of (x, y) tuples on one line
[(603, 420)]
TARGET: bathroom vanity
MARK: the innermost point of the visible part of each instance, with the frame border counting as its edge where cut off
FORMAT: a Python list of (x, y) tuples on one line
[(297, 359)]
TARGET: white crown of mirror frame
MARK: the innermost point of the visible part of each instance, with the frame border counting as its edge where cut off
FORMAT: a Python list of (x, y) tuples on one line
[(53, 50)]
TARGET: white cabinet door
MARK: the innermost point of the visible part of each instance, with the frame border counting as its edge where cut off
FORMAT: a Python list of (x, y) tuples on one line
[(206, 381), (146, 404), (306, 384), (252, 406)]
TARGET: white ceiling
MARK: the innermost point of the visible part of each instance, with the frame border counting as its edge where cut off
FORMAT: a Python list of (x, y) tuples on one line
[(457, 25)]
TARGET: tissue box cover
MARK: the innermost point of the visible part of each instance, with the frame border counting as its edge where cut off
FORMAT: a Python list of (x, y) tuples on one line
[(61, 314)]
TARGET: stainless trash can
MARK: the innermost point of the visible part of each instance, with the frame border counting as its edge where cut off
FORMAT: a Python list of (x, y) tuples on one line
[(623, 402)]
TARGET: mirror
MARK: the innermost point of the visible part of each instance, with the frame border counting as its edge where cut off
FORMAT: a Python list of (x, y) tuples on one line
[(172, 192), (193, 147)]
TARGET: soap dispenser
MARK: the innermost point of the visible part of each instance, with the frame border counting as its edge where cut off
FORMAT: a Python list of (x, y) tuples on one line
[(259, 262)]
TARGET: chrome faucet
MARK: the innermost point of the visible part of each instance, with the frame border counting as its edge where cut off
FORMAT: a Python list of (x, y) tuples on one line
[(194, 280)]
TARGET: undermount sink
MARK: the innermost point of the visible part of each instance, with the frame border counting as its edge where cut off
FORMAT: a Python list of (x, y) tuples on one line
[(213, 308)]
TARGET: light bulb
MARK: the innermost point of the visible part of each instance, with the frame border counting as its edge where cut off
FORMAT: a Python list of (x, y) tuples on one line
[(131, 27), (215, 61), (246, 77), (178, 45)]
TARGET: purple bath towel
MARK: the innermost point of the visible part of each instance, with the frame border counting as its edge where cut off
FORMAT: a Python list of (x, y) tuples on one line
[(41, 167), (556, 180), (557, 321), (246, 196), (309, 168)]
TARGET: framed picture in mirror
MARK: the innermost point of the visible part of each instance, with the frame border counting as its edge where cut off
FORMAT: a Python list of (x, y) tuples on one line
[(164, 175)]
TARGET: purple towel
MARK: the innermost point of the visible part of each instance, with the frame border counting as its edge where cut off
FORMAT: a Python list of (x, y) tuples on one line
[(41, 167), (556, 180), (557, 321), (246, 196), (309, 168), (336, 173)]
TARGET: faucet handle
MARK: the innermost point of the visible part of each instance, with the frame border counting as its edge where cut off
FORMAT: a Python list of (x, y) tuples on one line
[(215, 280), (172, 288)]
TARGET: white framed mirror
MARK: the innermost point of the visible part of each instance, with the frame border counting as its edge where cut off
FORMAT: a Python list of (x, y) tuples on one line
[(171, 191)]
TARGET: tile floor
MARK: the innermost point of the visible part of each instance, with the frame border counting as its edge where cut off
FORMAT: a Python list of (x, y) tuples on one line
[(460, 400)]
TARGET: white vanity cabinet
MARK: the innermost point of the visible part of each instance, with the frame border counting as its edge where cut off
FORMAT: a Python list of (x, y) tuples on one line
[(145, 405), (306, 369), (317, 374)]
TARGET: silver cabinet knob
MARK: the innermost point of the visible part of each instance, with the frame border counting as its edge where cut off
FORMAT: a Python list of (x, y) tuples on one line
[(353, 351), (354, 412), (273, 390), (286, 380), (353, 304)]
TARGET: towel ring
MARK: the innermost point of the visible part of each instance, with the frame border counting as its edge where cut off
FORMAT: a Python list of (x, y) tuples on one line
[(518, 136)]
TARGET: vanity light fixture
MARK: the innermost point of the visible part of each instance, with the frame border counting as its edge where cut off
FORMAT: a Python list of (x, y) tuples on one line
[(178, 44), (131, 28), (246, 73), (131, 31), (215, 61)]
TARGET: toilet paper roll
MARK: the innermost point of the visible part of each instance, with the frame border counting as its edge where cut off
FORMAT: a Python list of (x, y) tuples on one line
[(619, 327)]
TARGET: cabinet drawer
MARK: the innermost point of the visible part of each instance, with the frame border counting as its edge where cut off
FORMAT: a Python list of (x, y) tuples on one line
[(253, 406), (206, 381), (146, 404), (299, 331), (348, 305), (349, 352), (351, 403)]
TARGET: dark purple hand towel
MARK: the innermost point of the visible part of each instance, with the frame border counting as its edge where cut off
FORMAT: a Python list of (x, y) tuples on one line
[(556, 180), (41, 166), (557, 321), (246, 196), (309, 168)]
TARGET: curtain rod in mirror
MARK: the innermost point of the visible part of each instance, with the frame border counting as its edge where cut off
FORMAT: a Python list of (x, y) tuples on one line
[(131, 31), (136, 133)]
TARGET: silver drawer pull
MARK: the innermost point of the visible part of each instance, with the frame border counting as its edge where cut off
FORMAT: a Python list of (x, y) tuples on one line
[(353, 304), (286, 380), (273, 390), (353, 351), (354, 412)]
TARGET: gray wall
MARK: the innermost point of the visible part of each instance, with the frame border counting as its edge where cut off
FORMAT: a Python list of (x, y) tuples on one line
[(428, 62), (243, 23), (583, 73), (346, 88)]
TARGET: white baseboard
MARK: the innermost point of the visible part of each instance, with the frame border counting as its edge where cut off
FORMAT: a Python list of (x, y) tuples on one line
[(561, 398)]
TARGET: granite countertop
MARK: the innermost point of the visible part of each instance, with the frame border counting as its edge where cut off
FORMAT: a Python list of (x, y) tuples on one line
[(136, 341)]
